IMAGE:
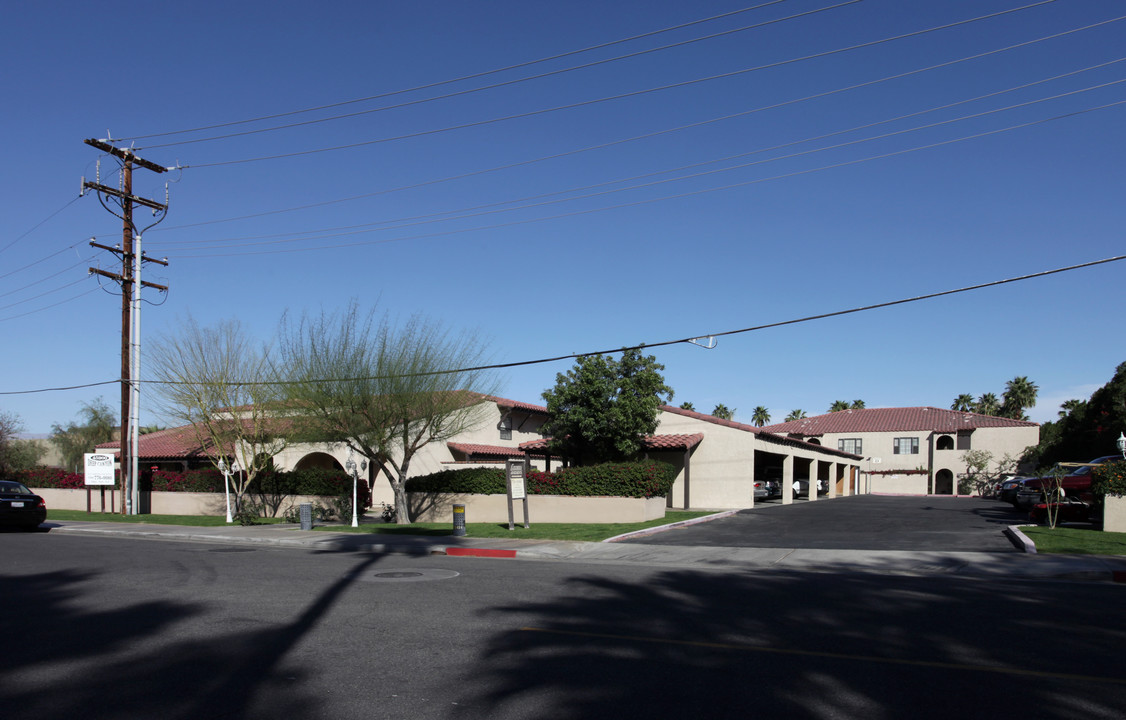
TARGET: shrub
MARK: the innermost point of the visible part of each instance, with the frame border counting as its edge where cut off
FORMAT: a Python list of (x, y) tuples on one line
[(1109, 479), (468, 481), (634, 479), (50, 477), (198, 480)]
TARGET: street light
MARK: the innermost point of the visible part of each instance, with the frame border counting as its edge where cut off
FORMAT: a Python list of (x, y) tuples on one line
[(226, 485), (351, 467), (1122, 444)]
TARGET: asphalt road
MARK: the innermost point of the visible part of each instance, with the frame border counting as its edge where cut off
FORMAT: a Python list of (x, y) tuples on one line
[(121, 628), (862, 522)]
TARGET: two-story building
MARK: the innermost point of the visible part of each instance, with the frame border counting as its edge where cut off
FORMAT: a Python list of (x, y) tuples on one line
[(914, 450)]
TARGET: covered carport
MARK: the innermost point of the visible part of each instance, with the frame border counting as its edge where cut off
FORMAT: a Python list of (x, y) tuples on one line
[(803, 468)]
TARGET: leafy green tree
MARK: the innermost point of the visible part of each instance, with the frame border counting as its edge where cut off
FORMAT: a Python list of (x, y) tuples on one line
[(600, 410), (795, 415), (687, 406), (857, 405), (839, 405), (1089, 430), (963, 403), (987, 404), (98, 424), (723, 412), (15, 452), (383, 390), (1020, 393), (760, 416)]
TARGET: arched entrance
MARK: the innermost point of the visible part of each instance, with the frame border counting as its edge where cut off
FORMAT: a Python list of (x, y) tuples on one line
[(318, 461), (944, 482)]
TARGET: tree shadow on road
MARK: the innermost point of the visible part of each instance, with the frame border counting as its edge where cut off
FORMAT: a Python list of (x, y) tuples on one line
[(62, 660), (798, 644)]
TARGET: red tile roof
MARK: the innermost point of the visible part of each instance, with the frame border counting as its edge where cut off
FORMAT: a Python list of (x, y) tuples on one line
[(651, 442), (893, 420), (179, 442), (487, 450), (711, 419)]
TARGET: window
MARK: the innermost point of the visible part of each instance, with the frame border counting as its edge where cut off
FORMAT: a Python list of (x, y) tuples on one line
[(963, 440), (851, 445), (506, 427), (907, 446), (945, 442)]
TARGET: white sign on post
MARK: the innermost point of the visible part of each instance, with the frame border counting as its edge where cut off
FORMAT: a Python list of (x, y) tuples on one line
[(99, 468)]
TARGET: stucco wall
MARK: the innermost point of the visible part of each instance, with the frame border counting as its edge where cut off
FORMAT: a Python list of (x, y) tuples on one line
[(722, 465), (430, 507)]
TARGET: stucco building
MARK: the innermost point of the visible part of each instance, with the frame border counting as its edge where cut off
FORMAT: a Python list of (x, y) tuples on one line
[(913, 450)]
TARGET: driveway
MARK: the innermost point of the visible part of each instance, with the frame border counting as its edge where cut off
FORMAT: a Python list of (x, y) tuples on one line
[(861, 522)]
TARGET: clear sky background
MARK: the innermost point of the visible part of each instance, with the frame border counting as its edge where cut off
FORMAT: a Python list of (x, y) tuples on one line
[(735, 172)]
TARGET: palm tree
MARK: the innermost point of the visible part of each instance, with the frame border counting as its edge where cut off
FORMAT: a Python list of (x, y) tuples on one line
[(963, 403), (857, 405), (760, 416), (1020, 393), (723, 412), (839, 405), (795, 415), (1067, 407), (687, 406), (987, 404)]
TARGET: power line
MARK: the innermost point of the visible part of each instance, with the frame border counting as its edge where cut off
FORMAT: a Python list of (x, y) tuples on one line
[(700, 123), (462, 78), (34, 227), (505, 83), (620, 96), (498, 207), (663, 343), (646, 201)]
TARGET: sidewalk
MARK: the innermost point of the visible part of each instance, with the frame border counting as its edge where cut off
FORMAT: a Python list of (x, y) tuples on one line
[(962, 564)]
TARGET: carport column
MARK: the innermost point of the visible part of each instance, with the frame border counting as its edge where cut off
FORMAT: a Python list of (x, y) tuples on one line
[(814, 479), (833, 468), (787, 480)]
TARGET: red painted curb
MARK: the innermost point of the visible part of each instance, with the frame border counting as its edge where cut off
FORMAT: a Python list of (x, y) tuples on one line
[(480, 552)]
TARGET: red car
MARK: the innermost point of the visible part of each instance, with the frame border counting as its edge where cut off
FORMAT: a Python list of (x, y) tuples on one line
[(1070, 510)]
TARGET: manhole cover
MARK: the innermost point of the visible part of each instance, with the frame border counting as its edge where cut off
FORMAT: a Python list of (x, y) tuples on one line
[(407, 575)]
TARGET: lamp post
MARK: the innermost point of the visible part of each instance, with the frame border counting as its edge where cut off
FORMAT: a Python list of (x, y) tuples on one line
[(351, 467), (223, 468), (1122, 444)]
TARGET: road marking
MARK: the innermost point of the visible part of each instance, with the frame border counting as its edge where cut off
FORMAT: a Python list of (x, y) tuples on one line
[(838, 656)]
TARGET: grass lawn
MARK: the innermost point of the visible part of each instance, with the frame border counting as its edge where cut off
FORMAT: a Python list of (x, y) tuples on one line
[(541, 531), (192, 520), (1075, 540)]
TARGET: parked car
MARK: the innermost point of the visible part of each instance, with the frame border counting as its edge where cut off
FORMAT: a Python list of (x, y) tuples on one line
[(762, 490), (1067, 510), (19, 507), (1076, 484), (1007, 491)]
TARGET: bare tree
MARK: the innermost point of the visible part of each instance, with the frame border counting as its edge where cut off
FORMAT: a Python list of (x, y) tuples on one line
[(383, 390), (15, 453), (220, 381)]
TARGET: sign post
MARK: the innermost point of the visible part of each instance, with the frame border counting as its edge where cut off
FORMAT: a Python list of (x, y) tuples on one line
[(514, 472), (98, 471)]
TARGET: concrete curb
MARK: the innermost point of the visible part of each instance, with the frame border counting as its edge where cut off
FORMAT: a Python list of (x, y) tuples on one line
[(1022, 542)]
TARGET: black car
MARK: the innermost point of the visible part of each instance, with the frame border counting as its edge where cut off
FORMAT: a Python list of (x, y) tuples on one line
[(19, 507)]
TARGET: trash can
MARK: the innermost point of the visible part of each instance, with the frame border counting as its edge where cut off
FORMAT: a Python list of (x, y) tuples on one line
[(306, 512), (459, 520)]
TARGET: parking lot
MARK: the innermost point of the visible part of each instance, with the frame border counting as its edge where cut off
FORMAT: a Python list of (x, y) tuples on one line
[(861, 522)]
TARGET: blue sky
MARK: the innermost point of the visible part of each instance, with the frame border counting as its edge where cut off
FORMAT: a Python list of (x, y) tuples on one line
[(798, 180)]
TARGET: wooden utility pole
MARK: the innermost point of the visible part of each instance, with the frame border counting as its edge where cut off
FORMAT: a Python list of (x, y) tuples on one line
[(128, 279)]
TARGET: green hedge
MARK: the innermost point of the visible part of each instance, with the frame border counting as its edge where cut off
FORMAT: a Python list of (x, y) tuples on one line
[(1109, 479), (637, 479)]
